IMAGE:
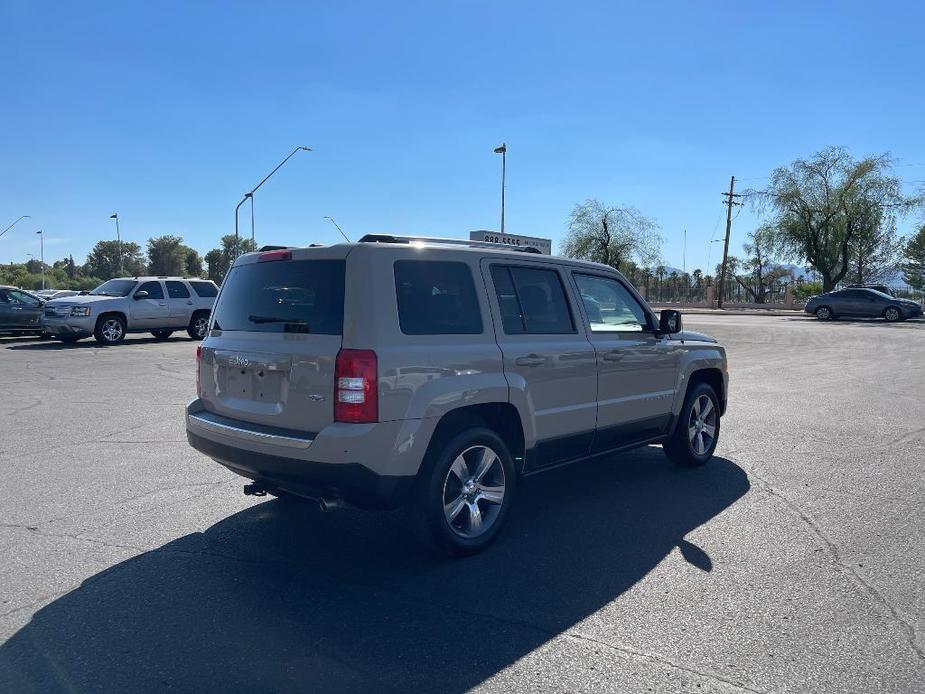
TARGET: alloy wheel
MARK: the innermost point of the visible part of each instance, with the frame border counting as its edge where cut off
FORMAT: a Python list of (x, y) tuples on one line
[(891, 314), (473, 491), (112, 330), (824, 313), (200, 326), (701, 425)]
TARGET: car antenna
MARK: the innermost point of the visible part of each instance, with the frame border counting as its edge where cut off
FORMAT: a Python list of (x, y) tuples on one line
[(331, 219)]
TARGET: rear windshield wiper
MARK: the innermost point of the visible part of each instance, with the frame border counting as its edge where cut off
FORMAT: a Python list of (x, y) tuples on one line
[(272, 319)]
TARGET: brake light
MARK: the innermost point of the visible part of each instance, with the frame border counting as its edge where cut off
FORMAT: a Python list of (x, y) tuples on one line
[(356, 393), (198, 361), (274, 255)]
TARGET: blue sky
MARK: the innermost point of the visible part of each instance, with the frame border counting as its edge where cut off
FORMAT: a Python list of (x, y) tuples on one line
[(168, 112)]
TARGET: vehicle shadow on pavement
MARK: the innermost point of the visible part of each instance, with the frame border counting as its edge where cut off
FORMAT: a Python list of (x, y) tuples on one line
[(865, 322), (281, 597), (90, 343)]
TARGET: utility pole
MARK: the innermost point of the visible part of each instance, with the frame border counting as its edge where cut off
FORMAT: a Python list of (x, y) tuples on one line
[(730, 201)]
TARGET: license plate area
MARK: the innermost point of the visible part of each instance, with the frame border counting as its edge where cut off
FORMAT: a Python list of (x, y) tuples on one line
[(252, 383), (258, 379)]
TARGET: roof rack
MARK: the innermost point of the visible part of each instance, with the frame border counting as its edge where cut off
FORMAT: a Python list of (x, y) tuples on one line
[(390, 238)]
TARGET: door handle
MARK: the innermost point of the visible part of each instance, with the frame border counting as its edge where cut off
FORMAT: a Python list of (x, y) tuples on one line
[(530, 360), (162, 304), (189, 303), (613, 355), (16, 308)]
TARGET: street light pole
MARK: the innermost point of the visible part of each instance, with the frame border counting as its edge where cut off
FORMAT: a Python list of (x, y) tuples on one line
[(502, 150), (25, 216), (42, 257), (237, 238), (119, 238), (331, 220), (265, 178)]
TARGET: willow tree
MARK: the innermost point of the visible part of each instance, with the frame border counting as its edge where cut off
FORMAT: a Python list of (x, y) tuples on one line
[(914, 260), (614, 236), (827, 205)]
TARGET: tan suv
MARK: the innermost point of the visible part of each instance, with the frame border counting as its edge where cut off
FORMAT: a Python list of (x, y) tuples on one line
[(437, 373)]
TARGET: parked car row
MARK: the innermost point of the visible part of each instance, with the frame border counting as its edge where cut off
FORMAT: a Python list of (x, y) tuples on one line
[(158, 305)]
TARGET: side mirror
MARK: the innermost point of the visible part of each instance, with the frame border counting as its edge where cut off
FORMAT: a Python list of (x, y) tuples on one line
[(141, 295), (669, 322)]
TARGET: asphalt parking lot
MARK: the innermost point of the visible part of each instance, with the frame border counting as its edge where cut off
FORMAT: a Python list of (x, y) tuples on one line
[(794, 562)]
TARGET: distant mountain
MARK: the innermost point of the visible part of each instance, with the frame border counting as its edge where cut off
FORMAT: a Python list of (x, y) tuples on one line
[(795, 271)]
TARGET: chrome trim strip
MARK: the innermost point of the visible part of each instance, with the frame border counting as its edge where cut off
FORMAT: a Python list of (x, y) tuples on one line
[(249, 434)]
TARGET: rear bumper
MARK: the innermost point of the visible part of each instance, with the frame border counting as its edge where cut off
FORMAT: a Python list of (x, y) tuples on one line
[(370, 466), (353, 482)]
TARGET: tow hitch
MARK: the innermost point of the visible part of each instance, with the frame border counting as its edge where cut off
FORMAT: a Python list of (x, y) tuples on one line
[(254, 489)]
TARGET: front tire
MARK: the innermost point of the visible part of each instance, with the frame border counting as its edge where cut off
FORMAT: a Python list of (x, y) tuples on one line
[(464, 493), (824, 313), (198, 325), (110, 329), (892, 314), (695, 436)]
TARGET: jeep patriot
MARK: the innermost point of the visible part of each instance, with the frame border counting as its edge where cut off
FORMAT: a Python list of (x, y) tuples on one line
[(436, 373)]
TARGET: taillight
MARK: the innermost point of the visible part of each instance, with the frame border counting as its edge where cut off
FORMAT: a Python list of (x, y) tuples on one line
[(198, 361), (356, 394), (270, 256)]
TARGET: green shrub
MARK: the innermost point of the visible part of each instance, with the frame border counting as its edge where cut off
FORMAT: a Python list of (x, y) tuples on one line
[(804, 290)]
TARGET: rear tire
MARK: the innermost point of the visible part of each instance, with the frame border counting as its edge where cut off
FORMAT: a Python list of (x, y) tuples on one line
[(162, 334), (110, 329), (464, 493), (824, 313), (198, 325), (695, 435)]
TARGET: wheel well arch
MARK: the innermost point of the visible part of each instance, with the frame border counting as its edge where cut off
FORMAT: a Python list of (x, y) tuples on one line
[(118, 314), (713, 377), (501, 417)]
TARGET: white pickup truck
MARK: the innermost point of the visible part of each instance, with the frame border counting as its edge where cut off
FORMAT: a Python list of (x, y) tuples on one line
[(158, 305)]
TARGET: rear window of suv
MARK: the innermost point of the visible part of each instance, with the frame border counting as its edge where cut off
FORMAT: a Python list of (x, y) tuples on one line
[(293, 296), (206, 290), (436, 298)]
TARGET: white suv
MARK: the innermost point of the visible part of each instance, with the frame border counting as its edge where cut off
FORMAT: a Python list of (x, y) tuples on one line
[(159, 305)]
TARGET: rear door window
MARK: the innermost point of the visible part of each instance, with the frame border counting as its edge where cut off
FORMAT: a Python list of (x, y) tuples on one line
[(436, 298), (206, 290), (295, 296), (177, 290), (153, 288), (532, 300)]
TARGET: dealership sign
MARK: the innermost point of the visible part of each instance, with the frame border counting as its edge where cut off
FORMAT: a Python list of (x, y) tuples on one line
[(542, 245)]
